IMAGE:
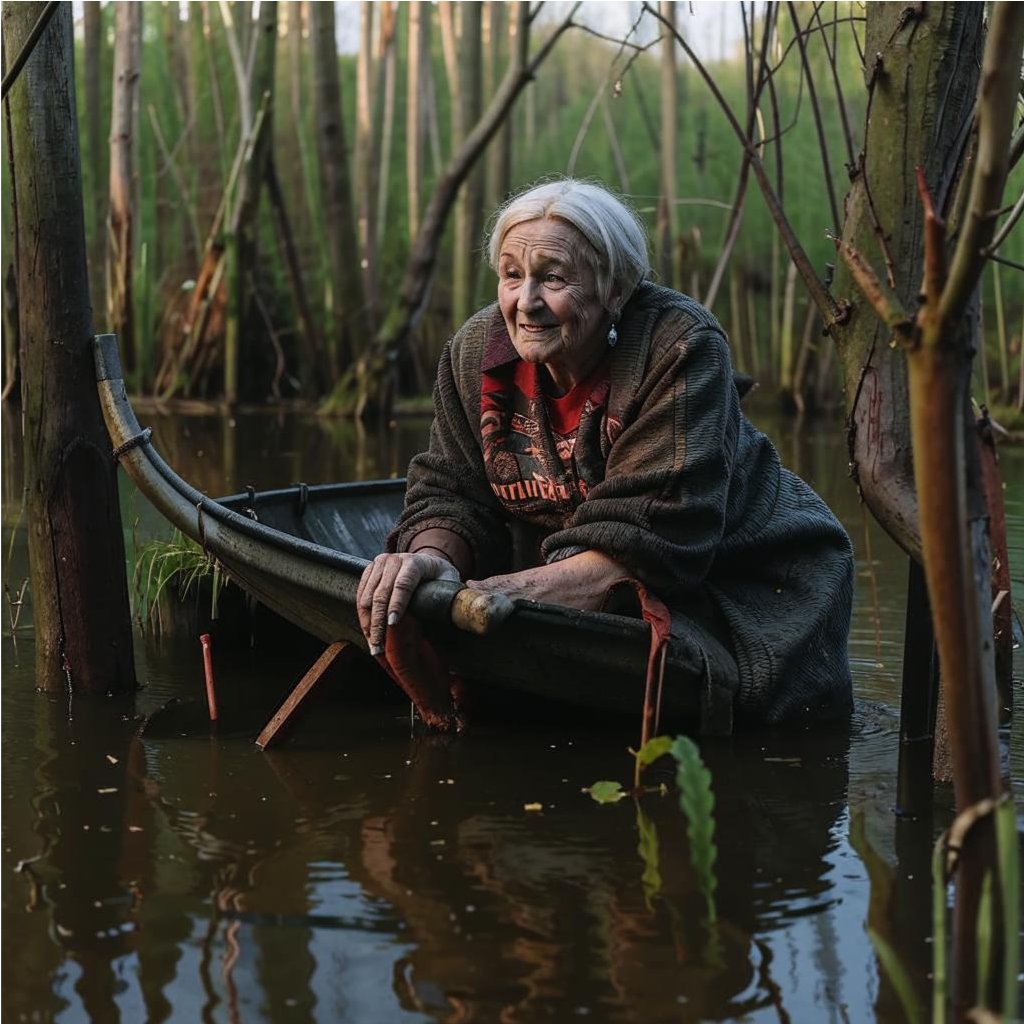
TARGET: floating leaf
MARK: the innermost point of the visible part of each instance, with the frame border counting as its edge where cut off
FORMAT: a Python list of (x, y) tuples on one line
[(648, 850), (654, 748), (606, 792), (697, 802)]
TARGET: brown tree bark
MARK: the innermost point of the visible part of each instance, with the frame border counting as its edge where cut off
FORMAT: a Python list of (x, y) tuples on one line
[(76, 547), (120, 246)]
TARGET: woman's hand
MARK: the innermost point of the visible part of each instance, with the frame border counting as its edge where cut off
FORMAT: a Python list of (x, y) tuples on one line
[(577, 582), (387, 586)]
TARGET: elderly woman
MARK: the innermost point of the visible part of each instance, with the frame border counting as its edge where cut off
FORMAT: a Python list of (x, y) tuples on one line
[(587, 428)]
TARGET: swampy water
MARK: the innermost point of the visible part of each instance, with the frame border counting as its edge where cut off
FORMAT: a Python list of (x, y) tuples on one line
[(362, 873)]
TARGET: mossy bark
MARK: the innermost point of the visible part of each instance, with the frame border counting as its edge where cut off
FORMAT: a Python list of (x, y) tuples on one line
[(921, 88), (79, 584)]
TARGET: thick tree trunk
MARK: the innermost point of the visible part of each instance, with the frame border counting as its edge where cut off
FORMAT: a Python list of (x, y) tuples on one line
[(76, 547), (127, 72), (921, 90), (336, 191), (666, 230)]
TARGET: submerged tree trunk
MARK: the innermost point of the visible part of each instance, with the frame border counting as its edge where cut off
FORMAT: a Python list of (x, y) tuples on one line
[(120, 299), (336, 190), (76, 546)]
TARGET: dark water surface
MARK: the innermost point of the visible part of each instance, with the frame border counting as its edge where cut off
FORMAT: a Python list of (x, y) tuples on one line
[(358, 873)]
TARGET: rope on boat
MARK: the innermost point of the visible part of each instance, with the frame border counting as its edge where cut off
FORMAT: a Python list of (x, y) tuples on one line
[(142, 437)]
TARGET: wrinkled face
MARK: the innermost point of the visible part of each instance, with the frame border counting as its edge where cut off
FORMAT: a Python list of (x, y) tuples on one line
[(547, 292)]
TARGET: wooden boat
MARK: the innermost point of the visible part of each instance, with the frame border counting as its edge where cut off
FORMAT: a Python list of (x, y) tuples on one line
[(300, 551)]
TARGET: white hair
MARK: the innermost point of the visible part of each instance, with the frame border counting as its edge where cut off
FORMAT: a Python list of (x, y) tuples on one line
[(614, 231)]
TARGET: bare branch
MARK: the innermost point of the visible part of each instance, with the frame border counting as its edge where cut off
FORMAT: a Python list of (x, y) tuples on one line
[(934, 251), (831, 311), (997, 103), (818, 124), (581, 134), (885, 302), (831, 54), (808, 31), (1007, 227), (624, 44)]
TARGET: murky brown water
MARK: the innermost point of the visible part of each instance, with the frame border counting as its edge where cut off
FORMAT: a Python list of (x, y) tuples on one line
[(358, 874)]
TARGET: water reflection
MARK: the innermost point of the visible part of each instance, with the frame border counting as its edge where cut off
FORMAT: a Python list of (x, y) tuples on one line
[(358, 874)]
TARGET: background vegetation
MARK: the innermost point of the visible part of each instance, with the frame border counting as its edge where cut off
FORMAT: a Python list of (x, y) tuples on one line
[(594, 109)]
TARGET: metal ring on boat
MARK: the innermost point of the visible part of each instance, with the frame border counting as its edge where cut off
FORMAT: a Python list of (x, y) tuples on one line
[(251, 510), (133, 442)]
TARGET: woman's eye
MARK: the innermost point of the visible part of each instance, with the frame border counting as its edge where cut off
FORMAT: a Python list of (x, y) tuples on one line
[(554, 279), (511, 274)]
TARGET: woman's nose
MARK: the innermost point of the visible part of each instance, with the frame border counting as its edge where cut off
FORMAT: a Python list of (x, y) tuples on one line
[(529, 295)]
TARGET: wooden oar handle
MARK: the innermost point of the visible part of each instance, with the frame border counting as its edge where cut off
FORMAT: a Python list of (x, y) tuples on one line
[(480, 613)]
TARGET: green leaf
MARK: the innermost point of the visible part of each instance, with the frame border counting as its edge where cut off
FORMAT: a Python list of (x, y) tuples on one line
[(897, 977), (605, 792), (654, 748), (648, 850), (697, 802)]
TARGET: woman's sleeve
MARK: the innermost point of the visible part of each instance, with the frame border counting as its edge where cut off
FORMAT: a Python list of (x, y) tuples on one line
[(447, 487), (661, 508)]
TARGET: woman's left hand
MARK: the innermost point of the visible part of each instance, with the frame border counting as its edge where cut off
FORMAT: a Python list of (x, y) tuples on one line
[(577, 582)]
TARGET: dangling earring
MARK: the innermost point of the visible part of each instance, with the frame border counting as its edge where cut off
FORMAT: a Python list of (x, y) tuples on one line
[(613, 336)]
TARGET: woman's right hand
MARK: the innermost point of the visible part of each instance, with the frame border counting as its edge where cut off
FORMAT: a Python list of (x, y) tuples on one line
[(387, 586)]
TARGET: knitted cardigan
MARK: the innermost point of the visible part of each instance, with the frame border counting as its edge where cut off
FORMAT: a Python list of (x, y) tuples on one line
[(694, 503)]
